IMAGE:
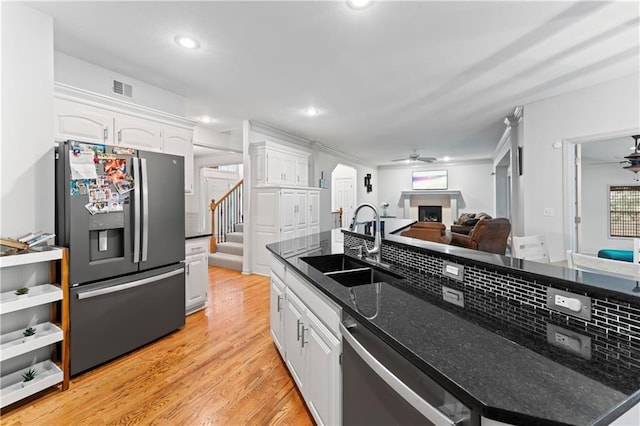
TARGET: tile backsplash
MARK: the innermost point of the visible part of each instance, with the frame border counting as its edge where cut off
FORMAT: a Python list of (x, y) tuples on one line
[(614, 327)]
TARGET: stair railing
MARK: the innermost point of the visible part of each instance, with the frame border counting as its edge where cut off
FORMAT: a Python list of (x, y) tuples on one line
[(225, 214)]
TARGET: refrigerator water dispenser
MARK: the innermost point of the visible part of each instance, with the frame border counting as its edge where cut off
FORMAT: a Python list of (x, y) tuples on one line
[(106, 236)]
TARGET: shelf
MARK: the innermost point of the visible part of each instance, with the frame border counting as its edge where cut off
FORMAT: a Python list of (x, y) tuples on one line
[(33, 255), (12, 344), (13, 390), (38, 295)]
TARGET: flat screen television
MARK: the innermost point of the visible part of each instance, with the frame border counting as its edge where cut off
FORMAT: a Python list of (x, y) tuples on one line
[(430, 179)]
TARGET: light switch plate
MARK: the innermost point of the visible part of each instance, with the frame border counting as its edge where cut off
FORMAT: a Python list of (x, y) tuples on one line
[(569, 303), (569, 340), (453, 270)]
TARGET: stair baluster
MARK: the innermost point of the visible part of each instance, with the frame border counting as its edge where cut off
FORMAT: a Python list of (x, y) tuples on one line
[(227, 212)]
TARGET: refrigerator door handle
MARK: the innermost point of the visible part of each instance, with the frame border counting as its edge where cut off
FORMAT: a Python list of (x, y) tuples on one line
[(145, 211), (136, 210), (132, 284)]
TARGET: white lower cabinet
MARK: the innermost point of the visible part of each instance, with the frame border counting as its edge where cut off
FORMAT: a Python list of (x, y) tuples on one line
[(277, 312), (304, 329), (196, 274)]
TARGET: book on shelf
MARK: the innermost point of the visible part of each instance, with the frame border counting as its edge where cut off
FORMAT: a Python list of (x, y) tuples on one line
[(8, 242), (40, 239), (30, 236)]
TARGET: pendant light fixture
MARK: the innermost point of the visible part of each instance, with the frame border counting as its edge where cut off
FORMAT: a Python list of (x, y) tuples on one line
[(634, 159)]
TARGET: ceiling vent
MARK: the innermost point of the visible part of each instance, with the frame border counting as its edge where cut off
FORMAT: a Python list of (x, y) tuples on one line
[(123, 89)]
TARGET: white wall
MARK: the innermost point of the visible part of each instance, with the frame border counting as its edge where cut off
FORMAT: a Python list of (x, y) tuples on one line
[(325, 160), (601, 109), (26, 150), (595, 207), (84, 75), (473, 180)]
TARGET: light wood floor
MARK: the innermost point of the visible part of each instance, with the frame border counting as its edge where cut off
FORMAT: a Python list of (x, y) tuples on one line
[(220, 369)]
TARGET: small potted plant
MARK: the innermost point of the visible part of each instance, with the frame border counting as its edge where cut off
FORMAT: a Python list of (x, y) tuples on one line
[(29, 334), (385, 206), (28, 376), (22, 292)]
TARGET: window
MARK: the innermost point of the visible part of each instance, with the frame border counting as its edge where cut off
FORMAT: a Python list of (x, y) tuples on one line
[(624, 209)]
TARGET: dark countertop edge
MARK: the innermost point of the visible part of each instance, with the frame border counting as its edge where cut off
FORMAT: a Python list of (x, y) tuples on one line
[(544, 273), (467, 398), (193, 237), (618, 411)]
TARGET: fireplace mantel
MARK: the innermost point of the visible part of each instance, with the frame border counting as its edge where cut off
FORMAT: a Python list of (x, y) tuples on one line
[(454, 195)]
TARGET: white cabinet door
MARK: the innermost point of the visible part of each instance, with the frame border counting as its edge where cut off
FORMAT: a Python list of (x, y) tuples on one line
[(288, 169), (322, 371), (287, 219), (82, 122), (302, 171), (301, 206), (314, 219), (276, 317), (138, 133), (196, 281), (178, 141), (293, 323), (274, 173)]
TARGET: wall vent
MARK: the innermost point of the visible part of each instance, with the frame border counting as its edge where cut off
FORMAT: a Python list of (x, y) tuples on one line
[(122, 88)]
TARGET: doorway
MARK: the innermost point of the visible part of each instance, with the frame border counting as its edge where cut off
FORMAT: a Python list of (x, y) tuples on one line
[(591, 166), (343, 192)]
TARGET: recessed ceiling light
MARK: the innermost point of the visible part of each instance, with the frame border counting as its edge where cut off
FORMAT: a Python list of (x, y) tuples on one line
[(311, 112), (359, 4), (446, 158), (187, 42), (206, 119)]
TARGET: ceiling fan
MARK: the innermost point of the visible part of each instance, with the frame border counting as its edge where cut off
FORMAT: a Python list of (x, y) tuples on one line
[(414, 156)]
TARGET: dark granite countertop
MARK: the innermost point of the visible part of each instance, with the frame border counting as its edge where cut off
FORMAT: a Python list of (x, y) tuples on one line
[(489, 366), (193, 237)]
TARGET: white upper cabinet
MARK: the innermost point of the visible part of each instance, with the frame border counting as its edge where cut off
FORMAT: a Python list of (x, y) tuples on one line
[(93, 118), (138, 133), (275, 164), (82, 122), (178, 141)]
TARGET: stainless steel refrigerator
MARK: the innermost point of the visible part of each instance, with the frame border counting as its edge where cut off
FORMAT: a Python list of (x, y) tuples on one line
[(121, 213)]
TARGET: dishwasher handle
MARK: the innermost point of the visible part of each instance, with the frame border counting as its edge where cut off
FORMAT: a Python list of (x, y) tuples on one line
[(126, 286), (437, 417)]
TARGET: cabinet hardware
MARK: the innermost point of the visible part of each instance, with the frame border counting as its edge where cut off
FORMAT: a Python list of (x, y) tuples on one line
[(278, 305), (302, 339), (119, 135), (106, 133), (298, 330)]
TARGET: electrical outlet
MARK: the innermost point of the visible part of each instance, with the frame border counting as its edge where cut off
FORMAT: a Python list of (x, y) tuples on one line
[(569, 340), (549, 211), (569, 303)]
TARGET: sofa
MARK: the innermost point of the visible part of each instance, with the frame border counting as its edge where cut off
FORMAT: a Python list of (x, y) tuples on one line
[(467, 221), (428, 231), (488, 235)]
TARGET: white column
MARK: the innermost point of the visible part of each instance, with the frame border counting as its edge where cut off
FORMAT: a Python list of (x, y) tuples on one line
[(517, 213)]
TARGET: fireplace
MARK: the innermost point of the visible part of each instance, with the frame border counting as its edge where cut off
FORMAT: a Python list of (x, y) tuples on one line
[(430, 213)]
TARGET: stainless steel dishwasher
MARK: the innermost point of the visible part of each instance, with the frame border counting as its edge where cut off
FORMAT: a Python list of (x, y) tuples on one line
[(380, 387)]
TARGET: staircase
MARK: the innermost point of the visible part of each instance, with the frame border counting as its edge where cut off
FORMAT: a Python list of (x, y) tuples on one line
[(229, 253), (227, 242)]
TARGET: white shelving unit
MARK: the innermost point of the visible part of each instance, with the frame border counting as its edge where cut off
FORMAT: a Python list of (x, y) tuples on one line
[(14, 389), (14, 345)]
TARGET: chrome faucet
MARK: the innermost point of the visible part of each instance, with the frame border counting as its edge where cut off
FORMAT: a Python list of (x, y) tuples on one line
[(377, 242)]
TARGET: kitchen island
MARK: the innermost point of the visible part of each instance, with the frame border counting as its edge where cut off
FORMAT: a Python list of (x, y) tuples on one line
[(494, 354)]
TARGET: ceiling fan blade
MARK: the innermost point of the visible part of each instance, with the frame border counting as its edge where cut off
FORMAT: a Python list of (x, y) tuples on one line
[(427, 159), (401, 159)]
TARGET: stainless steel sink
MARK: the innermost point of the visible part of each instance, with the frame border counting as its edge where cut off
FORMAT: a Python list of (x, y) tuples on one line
[(334, 262), (348, 271), (362, 276)]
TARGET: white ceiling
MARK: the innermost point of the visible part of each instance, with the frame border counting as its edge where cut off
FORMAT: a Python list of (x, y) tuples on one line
[(436, 76)]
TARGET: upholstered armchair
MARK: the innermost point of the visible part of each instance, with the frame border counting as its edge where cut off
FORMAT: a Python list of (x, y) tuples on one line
[(488, 235), (429, 231)]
